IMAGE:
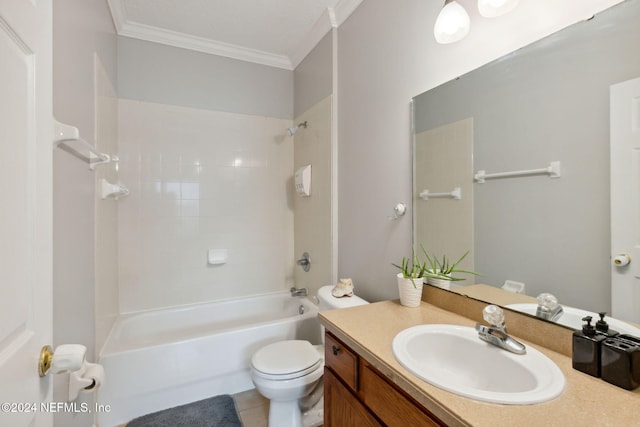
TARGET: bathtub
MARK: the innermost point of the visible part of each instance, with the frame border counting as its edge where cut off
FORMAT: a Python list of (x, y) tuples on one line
[(164, 358)]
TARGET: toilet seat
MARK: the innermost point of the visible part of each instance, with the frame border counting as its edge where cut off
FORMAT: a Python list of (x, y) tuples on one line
[(286, 360)]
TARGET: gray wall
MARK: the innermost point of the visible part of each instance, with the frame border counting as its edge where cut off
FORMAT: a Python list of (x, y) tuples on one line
[(549, 101), (313, 77), (80, 28), (168, 75)]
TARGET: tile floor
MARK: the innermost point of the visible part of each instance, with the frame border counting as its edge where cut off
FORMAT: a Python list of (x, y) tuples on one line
[(252, 408)]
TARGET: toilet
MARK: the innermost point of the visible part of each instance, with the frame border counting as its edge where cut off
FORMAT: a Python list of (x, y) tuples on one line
[(289, 373)]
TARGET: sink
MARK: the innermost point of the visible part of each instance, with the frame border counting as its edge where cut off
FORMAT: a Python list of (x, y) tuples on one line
[(572, 317), (453, 358)]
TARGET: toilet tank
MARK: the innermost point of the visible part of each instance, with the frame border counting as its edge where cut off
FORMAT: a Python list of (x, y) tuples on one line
[(328, 302)]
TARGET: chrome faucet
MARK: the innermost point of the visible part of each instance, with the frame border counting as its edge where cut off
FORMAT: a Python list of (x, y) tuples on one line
[(298, 292), (496, 334), (548, 307)]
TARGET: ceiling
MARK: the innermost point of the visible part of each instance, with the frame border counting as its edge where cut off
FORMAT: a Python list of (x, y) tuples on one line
[(278, 33)]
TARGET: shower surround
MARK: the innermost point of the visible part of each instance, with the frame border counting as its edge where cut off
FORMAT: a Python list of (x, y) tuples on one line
[(200, 180)]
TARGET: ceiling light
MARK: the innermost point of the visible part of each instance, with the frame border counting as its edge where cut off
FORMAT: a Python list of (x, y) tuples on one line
[(452, 24), (493, 8)]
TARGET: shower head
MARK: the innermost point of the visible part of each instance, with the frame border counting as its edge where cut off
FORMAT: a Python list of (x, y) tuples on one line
[(294, 129)]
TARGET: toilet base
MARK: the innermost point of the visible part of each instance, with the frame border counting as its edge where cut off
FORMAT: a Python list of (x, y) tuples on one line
[(283, 414)]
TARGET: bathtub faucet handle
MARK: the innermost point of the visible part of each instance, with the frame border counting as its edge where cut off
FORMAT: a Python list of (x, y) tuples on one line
[(305, 262)]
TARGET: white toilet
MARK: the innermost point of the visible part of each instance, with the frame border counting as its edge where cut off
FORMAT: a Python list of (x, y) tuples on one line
[(289, 373)]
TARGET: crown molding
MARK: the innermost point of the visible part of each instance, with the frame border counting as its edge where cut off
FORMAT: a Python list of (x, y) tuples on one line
[(187, 41), (201, 44), (322, 26), (331, 18), (344, 9), (117, 14)]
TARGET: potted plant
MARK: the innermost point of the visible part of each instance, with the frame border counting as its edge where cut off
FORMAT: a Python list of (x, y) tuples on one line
[(440, 271), (411, 280)]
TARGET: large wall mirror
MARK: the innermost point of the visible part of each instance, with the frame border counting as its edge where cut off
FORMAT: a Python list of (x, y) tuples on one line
[(548, 102)]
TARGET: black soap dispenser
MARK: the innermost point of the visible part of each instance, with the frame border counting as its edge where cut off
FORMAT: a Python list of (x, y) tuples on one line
[(586, 348), (602, 326), (621, 361)]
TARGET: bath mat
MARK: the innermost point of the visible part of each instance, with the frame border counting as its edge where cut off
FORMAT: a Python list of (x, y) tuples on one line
[(218, 411)]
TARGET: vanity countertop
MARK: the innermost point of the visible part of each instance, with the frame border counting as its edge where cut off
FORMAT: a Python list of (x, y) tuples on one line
[(370, 329), (495, 295)]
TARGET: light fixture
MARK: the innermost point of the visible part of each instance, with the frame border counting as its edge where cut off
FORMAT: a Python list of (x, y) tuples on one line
[(493, 8), (452, 24)]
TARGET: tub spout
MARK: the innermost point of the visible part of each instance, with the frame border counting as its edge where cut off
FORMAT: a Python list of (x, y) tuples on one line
[(298, 292)]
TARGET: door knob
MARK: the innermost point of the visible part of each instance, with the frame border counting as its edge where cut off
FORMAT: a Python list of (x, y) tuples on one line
[(621, 260)]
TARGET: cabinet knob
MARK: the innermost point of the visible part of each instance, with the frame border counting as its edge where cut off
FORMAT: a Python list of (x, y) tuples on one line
[(335, 350)]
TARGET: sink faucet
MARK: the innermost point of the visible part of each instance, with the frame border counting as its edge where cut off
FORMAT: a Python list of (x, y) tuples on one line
[(496, 334), (548, 307), (298, 292)]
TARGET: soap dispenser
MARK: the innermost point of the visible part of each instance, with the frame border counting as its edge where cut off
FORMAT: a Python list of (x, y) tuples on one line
[(621, 361), (586, 348), (602, 326)]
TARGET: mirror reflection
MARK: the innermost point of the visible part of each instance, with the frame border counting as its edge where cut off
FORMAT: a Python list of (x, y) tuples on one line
[(544, 105)]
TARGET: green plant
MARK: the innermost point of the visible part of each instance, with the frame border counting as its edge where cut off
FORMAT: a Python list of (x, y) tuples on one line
[(443, 268), (412, 268)]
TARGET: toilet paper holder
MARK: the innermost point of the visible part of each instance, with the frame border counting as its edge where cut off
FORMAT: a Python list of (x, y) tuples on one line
[(71, 359)]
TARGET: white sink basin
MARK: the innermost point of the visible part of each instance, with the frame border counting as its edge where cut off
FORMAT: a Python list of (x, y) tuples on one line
[(455, 359), (572, 317)]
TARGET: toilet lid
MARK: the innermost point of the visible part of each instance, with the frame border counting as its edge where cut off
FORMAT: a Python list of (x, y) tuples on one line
[(285, 357)]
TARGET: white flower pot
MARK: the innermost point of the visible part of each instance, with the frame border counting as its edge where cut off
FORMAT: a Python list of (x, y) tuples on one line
[(410, 294), (440, 283)]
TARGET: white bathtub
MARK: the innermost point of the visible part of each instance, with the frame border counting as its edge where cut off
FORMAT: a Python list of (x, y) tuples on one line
[(163, 358)]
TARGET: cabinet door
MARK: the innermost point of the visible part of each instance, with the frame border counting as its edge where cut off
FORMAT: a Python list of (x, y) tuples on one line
[(389, 404), (341, 408)]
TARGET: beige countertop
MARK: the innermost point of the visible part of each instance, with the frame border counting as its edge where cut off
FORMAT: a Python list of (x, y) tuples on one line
[(370, 329)]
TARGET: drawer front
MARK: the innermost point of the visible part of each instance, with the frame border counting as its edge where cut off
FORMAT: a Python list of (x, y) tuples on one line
[(390, 406), (341, 360)]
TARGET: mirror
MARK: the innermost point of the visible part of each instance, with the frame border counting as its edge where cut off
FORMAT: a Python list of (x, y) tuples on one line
[(546, 102)]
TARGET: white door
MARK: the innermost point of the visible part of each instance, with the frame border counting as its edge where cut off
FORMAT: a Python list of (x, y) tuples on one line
[(25, 209), (625, 200)]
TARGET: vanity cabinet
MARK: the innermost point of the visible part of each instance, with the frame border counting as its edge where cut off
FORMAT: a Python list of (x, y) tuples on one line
[(357, 394)]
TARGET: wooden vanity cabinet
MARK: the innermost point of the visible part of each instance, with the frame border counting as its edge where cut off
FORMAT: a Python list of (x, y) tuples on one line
[(357, 394)]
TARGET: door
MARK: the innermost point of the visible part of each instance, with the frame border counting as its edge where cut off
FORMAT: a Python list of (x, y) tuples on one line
[(625, 200), (25, 209)]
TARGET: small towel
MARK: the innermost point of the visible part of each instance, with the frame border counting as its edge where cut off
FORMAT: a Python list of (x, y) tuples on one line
[(344, 288)]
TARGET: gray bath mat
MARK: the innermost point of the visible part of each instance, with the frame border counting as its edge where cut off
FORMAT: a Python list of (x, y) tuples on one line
[(218, 411)]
